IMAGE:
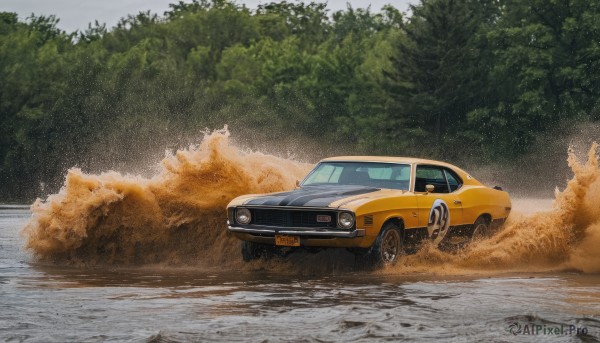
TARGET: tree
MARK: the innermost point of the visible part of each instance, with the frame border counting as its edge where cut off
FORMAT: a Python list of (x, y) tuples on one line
[(546, 70), (32, 72), (433, 82)]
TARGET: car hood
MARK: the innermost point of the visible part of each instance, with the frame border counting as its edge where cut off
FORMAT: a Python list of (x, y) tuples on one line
[(311, 196)]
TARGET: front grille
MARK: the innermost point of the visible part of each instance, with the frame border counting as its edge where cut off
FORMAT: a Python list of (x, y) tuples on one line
[(292, 218), (269, 217)]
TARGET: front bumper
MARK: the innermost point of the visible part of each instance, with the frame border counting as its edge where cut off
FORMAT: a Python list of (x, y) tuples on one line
[(296, 231)]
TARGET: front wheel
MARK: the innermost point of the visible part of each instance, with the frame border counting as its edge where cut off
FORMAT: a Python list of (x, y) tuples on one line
[(253, 251), (388, 246)]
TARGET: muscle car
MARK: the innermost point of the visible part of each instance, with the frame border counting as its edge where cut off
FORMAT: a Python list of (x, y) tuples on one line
[(377, 207)]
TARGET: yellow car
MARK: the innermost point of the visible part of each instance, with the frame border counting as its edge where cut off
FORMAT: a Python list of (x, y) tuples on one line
[(380, 207)]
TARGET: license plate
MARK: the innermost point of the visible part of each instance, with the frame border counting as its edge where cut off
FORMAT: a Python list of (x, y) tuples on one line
[(288, 241)]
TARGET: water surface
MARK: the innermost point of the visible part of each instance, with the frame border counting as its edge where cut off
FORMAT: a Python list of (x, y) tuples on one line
[(43, 303)]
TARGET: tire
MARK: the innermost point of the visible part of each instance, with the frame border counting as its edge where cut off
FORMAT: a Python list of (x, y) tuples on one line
[(253, 251), (481, 229), (388, 246)]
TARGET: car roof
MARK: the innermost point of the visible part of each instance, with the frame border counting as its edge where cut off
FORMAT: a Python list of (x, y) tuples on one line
[(387, 159)]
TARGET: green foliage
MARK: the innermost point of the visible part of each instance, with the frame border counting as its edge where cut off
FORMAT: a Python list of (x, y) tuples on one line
[(544, 68), (436, 75), (471, 79)]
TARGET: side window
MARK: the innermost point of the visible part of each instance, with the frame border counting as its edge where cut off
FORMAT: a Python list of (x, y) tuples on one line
[(454, 180), (430, 175)]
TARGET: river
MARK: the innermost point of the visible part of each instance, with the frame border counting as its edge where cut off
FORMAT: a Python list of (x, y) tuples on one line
[(56, 303)]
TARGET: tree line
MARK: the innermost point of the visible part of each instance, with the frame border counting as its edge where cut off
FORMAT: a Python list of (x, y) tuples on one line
[(454, 79)]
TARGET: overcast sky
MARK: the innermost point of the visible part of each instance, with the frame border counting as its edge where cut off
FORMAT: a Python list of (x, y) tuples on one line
[(76, 14)]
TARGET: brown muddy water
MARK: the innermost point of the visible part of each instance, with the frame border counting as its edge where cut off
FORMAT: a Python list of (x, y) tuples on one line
[(115, 257), (53, 303)]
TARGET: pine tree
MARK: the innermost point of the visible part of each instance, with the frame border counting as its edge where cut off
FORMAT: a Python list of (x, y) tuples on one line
[(436, 67)]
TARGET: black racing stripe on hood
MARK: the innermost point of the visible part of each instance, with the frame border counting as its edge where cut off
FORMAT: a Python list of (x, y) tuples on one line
[(312, 196)]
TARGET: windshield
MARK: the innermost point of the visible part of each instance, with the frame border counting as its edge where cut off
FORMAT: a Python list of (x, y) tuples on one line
[(372, 174)]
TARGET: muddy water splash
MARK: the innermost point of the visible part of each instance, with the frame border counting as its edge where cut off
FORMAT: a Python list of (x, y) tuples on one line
[(178, 216)]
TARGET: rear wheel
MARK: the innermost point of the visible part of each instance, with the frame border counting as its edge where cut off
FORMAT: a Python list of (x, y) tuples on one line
[(388, 246), (481, 229)]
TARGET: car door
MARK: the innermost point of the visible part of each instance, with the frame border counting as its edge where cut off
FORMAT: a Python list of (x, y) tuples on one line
[(439, 209), (454, 198)]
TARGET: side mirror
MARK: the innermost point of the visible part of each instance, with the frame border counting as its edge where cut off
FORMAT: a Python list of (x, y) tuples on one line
[(297, 183), (429, 188)]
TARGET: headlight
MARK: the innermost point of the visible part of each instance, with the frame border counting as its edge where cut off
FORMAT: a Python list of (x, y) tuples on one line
[(242, 216), (346, 220)]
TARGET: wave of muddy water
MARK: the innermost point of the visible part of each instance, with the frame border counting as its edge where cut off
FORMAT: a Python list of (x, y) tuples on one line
[(125, 258)]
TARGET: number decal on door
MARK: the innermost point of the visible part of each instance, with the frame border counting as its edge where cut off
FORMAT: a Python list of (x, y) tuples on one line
[(439, 221)]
